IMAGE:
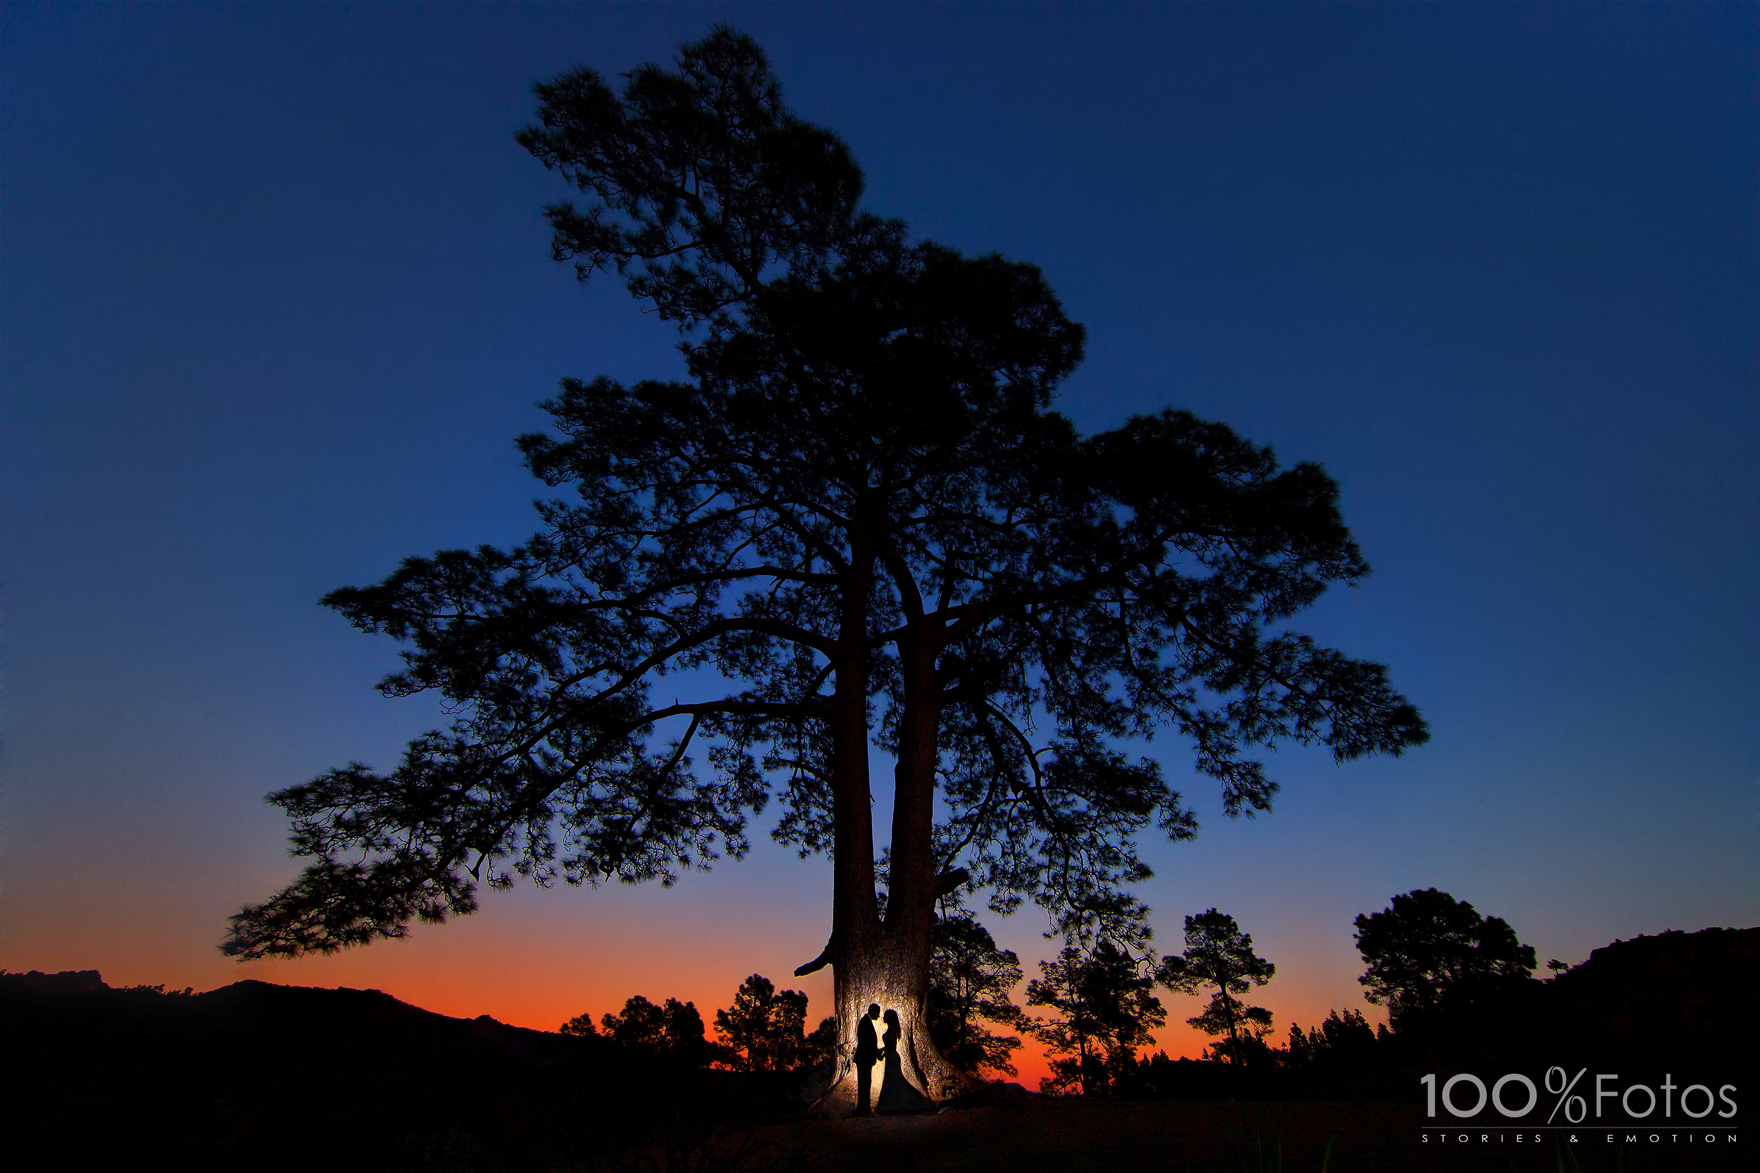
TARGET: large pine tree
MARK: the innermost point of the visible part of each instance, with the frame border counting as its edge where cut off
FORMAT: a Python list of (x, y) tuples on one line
[(861, 513)]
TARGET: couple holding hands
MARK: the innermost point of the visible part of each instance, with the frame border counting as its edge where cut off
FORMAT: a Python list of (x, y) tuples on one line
[(896, 1094)]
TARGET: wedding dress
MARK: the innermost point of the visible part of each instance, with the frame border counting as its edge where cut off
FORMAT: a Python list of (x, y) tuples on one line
[(897, 1096)]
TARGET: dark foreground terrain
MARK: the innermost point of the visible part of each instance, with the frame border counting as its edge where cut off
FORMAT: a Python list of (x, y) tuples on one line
[(270, 1077), (1178, 1135)]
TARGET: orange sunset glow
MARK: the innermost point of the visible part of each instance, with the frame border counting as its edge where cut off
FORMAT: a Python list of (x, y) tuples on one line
[(536, 959)]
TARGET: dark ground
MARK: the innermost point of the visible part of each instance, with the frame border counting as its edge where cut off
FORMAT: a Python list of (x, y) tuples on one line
[(1178, 1135)]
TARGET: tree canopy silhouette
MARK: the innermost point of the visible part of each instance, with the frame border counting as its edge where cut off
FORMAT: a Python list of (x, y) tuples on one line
[(1427, 949), (859, 517), (1219, 955)]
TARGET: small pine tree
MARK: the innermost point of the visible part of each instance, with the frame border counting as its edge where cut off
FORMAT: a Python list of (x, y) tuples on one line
[(1102, 1011), (970, 979), (641, 1024), (1342, 1042), (581, 1026), (822, 1043), (683, 1035), (1218, 954), (764, 1029)]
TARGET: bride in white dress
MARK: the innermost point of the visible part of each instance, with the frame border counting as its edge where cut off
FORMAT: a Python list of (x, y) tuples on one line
[(897, 1096)]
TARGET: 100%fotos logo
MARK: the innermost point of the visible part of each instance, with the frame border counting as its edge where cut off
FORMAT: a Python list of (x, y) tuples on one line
[(1515, 1096)]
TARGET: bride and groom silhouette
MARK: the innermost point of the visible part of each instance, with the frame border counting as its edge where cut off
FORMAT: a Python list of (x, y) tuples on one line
[(896, 1093)]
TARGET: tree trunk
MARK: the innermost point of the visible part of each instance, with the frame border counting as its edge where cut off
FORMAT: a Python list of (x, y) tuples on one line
[(883, 962), (874, 961), (894, 974)]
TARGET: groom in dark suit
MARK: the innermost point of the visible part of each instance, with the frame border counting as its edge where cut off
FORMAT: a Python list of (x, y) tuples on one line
[(867, 1051)]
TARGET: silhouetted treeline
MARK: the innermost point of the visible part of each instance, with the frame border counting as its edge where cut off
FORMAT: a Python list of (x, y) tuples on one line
[(764, 1030), (1677, 1002)]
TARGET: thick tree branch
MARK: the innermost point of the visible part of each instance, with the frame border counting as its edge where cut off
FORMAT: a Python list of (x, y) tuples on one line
[(950, 881), (818, 963)]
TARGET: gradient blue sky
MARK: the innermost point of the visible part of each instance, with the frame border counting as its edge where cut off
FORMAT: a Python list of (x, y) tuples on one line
[(275, 298)]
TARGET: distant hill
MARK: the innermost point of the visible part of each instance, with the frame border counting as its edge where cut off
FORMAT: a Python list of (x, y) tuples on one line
[(1682, 986), (1673, 998), (261, 1076), (1674, 1001)]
